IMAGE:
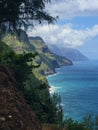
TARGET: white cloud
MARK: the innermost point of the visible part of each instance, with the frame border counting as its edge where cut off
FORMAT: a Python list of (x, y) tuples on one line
[(66, 9), (65, 35)]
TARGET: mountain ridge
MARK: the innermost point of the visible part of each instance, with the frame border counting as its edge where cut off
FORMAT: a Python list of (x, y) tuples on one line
[(48, 60), (73, 54)]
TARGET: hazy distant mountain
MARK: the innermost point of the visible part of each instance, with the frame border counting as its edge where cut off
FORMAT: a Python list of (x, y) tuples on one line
[(70, 53)]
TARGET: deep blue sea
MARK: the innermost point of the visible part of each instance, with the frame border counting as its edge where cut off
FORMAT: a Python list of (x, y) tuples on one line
[(78, 87)]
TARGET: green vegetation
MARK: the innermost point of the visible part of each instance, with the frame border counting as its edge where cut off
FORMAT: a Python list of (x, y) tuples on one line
[(20, 13), (28, 69), (4, 48), (21, 43), (89, 122), (70, 124), (47, 60), (50, 127), (34, 87), (31, 84)]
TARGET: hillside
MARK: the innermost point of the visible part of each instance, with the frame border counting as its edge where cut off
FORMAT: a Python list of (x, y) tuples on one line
[(18, 42), (35, 88), (15, 113), (48, 60), (73, 54)]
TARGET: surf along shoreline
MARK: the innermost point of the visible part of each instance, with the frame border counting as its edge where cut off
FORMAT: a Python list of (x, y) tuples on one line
[(53, 73)]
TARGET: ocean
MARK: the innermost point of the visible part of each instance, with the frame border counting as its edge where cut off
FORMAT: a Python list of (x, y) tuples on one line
[(78, 87)]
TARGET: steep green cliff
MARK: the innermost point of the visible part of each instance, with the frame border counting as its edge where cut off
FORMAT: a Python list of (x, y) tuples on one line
[(48, 60), (31, 84)]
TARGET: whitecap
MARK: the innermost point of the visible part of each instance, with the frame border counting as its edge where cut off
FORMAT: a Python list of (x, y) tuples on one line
[(53, 89)]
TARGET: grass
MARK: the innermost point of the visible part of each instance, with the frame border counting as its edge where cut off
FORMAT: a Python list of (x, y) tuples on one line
[(50, 127)]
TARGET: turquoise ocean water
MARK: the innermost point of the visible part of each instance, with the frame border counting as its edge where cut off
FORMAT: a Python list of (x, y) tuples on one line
[(78, 87)]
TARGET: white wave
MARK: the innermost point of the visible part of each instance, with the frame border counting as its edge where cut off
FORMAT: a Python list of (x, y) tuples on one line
[(53, 89), (52, 75), (62, 104)]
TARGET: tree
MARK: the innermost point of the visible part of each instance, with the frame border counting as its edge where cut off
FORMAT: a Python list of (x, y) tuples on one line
[(21, 64), (91, 122), (15, 14), (88, 121), (70, 124), (57, 111)]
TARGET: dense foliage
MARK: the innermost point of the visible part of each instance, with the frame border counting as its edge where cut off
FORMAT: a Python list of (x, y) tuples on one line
[(89, 122), (19, 64), (15, 14), (36, 92)]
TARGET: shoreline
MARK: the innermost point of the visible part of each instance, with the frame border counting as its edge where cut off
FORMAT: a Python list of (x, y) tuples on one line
[(49, 74), (52, 89), (53, 72)]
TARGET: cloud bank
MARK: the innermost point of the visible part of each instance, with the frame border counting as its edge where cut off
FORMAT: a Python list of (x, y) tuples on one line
[(65, 35), (67, 9)]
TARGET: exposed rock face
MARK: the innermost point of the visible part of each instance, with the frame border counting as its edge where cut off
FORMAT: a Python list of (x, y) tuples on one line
[(15, 113)]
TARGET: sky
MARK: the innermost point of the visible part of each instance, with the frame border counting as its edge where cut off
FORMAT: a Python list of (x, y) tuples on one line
[(77, 26)]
